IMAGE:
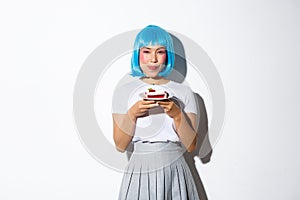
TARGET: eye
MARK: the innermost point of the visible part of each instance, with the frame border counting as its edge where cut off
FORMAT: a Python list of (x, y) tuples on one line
[(161, 52), (145, 51)]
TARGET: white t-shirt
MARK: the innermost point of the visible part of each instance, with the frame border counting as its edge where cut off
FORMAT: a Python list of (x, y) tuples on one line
[(157, 126)]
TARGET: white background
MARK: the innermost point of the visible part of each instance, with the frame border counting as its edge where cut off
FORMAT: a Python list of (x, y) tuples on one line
[(254, 44)]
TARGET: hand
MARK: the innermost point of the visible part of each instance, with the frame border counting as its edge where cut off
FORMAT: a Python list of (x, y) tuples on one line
[(140, 109), (170, 108)]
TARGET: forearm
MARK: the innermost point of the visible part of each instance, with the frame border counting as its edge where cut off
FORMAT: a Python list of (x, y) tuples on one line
[(185, 131), (123, 130), (124, 124)]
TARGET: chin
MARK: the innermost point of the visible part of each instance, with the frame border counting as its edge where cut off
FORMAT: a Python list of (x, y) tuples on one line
[(152, 75)]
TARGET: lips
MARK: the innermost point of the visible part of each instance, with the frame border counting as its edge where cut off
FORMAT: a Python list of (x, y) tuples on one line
[(153, 67)]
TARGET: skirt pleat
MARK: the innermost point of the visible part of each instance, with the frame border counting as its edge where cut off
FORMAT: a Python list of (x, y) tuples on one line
[(177, 185), (157, 171)]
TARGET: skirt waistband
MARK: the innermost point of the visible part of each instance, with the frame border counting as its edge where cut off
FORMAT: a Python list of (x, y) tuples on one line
[(157, 146), (151, 156)]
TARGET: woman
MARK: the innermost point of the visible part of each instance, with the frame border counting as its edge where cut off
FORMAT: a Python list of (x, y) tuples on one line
[(160, 130)]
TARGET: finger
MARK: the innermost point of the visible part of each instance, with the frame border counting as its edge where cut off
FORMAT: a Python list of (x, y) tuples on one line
[(167, 109), (146, 102), (164, 106), (141, 114), (148, 106), (143, 110), (163, 102)]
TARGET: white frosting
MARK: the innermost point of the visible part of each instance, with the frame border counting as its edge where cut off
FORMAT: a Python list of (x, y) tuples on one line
[(157, 92)]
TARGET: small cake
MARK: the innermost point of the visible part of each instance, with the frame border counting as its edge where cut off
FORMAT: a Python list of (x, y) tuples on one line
[(156, 94)]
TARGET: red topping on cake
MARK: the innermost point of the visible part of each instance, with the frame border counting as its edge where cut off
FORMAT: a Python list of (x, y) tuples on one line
[(156, 94)]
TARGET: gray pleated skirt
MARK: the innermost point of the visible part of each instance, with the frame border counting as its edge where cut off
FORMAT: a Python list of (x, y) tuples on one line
[(157, 171)]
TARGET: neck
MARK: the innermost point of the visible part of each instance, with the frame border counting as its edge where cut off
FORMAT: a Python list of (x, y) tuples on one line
[(155, 80)]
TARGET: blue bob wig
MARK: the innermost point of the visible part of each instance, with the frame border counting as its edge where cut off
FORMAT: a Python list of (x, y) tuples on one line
[(149, 36)]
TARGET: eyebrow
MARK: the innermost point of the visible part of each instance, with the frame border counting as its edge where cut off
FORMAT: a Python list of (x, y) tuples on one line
[(152, 48)]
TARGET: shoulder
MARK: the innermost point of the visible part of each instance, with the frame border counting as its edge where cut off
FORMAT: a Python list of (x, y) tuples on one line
[(184, 93), (128, 85), (183, 87), (122, 93), (131, 90)]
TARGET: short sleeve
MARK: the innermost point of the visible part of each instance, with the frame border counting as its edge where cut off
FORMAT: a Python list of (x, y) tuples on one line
[(190, 105), (119, 106)]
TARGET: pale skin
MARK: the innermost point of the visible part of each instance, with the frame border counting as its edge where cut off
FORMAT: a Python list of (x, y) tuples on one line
[(152, 61)]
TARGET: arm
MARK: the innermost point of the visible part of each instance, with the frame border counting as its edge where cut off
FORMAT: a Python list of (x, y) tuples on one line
[(186, 131), (123, 130), (184, 124), (124, 124)]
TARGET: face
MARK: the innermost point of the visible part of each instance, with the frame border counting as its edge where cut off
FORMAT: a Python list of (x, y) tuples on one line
[(152, 60)]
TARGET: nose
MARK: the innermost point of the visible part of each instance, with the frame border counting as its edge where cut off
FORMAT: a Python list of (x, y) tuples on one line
[(154, 58)]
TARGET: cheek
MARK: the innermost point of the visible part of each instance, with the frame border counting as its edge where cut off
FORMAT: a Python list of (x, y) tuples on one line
[(142, 58), (163, 58)]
